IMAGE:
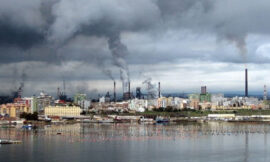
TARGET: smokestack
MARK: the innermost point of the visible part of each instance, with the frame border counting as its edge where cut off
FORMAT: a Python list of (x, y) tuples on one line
[(20, 92), (64, 86), (158, 89), (129, 96), (246, 82), (58, 93), (114, 91)]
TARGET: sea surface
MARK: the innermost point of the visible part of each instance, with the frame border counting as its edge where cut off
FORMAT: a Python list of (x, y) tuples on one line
[(187, 142)]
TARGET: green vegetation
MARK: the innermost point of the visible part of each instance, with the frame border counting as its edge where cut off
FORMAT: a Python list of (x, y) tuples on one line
[(252, 112)]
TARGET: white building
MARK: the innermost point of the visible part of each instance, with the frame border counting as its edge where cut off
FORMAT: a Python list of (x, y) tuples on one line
[(84, 104), (43, 100), (252, 101), (102, 99), (218, 99), (31, 101), (137, 104)]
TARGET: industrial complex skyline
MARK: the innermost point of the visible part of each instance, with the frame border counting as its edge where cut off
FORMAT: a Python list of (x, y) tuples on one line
[(134, 80), (182, 44)]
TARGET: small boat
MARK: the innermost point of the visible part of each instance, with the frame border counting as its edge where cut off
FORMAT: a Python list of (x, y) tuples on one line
[(88, 121), (29, 126), (162, 120), (8, 126), (4, 142), (17, 122), (105, 121), (146, 120), (122, 120), (45, 118)]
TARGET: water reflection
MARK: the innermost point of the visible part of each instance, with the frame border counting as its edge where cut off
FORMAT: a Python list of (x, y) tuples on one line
[(246, 148), (128, 132), (213, 141)]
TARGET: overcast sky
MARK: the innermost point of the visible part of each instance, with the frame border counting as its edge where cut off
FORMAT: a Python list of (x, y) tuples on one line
[(184, 44)]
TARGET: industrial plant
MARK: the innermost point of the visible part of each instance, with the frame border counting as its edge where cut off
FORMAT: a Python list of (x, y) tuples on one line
[(147, 97)]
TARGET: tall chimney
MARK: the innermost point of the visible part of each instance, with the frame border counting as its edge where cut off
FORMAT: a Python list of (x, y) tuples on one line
[(58, 93), (246, 82), (129, 95), (158, 89), (114, 91)]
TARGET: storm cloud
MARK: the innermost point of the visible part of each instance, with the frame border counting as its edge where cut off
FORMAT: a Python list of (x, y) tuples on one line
[(130, 35)]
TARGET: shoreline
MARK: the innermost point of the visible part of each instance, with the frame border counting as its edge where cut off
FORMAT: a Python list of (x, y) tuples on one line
[(240, 115)]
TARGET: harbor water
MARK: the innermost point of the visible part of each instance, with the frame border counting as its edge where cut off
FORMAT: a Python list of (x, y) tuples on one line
[(125, 142)]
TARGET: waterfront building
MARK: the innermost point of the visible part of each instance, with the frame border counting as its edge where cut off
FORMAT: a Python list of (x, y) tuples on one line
[(217, 101), (177, 102), (194, 104), (226, 104), (252, 101), (62, 111), (194, 101), (205, 97), (43, 100), (162, 102), (84, 104), (82, 101), (266, 104), (205, 105), (79, 97), (32, 102), (185, 103), (109, 106), (170, 101), (221, 116), (137, 104), (151, 104), (102, 99), (14, 110)]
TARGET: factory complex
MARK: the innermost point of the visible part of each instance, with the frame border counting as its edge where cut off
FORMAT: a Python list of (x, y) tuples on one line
[(80, 105)]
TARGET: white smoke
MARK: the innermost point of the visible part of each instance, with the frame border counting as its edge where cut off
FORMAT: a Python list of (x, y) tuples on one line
[(151, 88)]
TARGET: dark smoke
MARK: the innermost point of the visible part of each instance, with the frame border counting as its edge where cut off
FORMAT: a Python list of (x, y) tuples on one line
[(22, 82), (119, 52), (240, 43), (32, 26)]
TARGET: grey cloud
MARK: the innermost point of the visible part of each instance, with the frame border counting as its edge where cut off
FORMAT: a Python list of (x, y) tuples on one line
[(61, 31), (11, 35), (30, 23)]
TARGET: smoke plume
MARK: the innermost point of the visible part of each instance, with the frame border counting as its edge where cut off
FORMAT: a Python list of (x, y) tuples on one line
[(152, 90), (240, 43), (119, 52), (29, 28), (108, 72)]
